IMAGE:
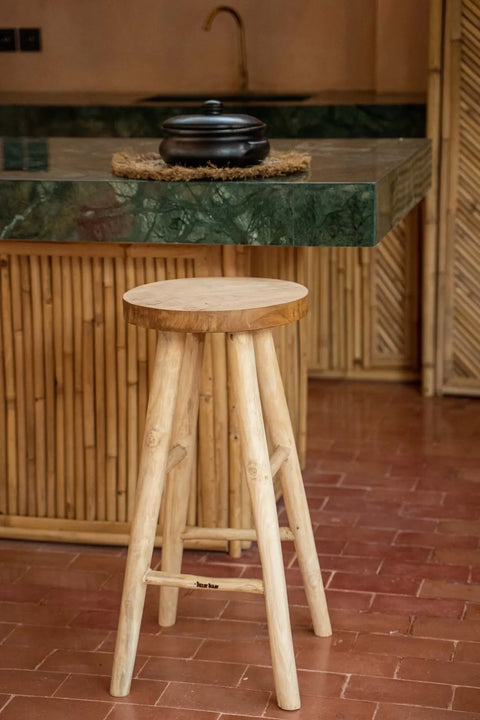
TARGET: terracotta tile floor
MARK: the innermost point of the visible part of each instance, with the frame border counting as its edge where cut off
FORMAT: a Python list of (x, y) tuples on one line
[(394, 488)]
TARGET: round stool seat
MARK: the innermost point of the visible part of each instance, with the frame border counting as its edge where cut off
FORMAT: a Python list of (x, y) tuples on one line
[(215, 304)]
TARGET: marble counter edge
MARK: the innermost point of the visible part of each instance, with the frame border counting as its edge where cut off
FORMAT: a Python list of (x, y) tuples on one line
[(283, 212)]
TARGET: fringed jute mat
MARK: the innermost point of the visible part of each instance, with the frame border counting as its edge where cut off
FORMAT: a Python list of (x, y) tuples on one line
[(150, 166)]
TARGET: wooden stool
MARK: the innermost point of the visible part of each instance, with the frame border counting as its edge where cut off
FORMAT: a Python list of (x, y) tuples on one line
[(183, 311)]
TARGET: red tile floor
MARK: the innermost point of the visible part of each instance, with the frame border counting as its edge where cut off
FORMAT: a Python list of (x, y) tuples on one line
[(393, 481)]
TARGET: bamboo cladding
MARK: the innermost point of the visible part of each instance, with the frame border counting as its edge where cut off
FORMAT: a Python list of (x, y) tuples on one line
[(74, 383), (431, 205), (459, 230), (395, 298), (363, 316), (466, 252), (75, 379), (289, 263)]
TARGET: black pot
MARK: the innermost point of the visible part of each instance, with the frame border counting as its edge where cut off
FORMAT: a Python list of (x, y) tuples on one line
[(214, 137)]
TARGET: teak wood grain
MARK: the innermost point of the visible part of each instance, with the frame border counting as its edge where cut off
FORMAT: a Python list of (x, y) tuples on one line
[(215, 304)]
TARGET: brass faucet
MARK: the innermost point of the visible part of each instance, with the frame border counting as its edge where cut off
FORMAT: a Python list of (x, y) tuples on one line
[(243, 47)]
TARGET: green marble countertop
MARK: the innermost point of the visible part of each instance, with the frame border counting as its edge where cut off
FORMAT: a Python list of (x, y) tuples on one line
[(354, 193), (325, 114)]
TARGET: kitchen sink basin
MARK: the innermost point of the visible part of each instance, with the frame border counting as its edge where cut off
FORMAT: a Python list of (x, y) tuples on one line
[(242, 97)]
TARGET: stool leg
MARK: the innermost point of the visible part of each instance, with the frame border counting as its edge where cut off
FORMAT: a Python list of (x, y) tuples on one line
[(259, 479), (177, 491), (279, 425), (151, 476)]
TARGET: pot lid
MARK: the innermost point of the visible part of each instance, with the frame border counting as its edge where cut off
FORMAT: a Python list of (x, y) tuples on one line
[(211, 119)]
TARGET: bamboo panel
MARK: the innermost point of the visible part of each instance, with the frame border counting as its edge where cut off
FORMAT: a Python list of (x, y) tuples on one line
[(430, 228), (141, 364), (116, 395), (395, 322), (10, 390), (78, 394), (364, 307), (99, 393), (19, 374), (458, 358), (220, 437), (3, 408), (207, 500), (74, 382), (288, 263), (59, 410), (88, 380), (234, 262), (29, 390), (49, 382)]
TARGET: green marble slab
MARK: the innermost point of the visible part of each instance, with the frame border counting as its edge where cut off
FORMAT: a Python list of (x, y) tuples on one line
[(62, 189), (332, 120)]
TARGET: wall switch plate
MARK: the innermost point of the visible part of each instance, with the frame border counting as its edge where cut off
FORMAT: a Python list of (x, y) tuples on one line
[(7, 40), (30, 39), (12, 153)]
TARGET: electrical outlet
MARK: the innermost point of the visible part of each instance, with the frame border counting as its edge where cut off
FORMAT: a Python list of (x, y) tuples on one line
[(7, 40), (30, 39), (12, 153)]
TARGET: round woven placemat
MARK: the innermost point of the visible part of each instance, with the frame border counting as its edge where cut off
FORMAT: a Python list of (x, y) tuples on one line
[(150, 166)]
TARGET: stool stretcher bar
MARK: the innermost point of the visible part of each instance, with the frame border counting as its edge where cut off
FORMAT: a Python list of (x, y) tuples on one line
[(220, 533), (199, 582)]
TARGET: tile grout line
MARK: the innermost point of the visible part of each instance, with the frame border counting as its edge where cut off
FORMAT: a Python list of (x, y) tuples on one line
[(7, 703), (49, 654), (419, 589), (142, 666), (452, 698), (202, 642), (67, 677), (12, 630), (269, 700), (110, 711), (167, 685), (345, 685), (108, 636), (243, 677)]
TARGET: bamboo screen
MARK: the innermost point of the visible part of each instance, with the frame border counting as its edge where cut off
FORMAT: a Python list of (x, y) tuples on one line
[(459, 232), (363, 320)]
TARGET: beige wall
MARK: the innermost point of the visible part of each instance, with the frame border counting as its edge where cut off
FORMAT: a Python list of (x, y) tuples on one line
[(158, 45)]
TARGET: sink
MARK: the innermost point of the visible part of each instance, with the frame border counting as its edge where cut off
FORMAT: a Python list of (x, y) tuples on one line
[(242, 97)]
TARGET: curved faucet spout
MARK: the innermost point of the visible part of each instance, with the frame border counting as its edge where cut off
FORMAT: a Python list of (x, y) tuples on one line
[(243, 67)]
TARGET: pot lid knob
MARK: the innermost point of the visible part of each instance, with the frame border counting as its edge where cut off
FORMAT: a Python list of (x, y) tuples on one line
[(212, 107)]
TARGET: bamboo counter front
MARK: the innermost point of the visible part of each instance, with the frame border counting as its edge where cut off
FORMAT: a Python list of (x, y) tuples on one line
[(74, 377)]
